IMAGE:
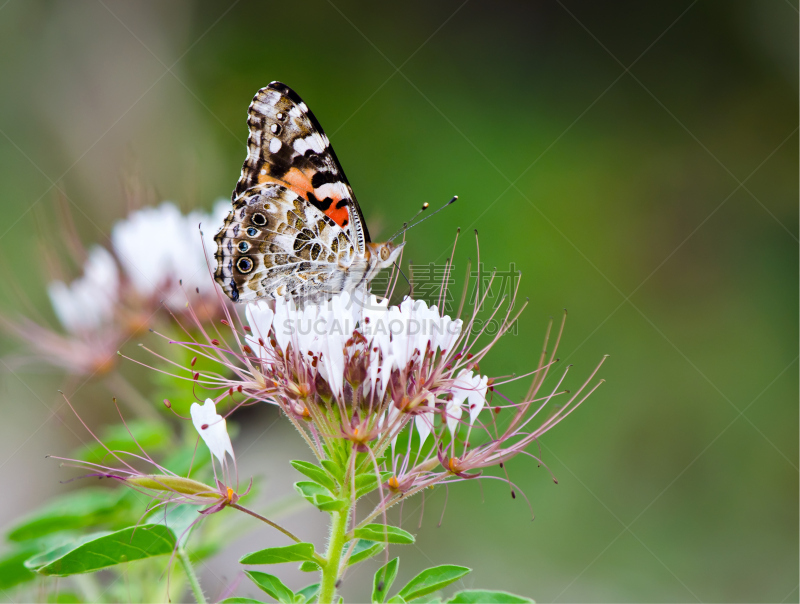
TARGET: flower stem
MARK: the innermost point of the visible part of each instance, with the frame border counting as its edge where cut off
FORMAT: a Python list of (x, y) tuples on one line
[(197, 590), (268, 521), (333, 557)]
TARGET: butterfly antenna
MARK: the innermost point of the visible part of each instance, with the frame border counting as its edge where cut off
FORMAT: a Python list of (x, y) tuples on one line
[(406, 226), (402, 273)]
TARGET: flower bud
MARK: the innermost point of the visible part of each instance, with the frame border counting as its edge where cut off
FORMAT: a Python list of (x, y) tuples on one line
[(178, 484)]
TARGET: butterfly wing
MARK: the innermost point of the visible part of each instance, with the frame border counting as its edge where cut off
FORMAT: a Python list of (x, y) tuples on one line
[(275, 243), (287, 146)]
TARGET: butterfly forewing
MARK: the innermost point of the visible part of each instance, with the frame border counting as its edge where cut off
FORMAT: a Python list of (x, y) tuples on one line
[(287, 146)]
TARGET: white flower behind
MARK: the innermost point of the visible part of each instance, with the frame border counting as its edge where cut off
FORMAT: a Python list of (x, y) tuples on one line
[(159, 246), (88, 302)]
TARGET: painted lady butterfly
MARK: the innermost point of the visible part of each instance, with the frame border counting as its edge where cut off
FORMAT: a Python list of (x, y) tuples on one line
[(296, 228)]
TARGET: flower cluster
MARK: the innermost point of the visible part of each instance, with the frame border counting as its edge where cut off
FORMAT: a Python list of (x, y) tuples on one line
[(399, 383), (120, 290)]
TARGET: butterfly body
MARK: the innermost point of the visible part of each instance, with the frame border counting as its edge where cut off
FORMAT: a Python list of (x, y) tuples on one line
[(296, 228)]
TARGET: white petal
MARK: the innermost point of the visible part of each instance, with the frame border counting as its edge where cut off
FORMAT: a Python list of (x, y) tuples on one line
[(259, 318), (453, 413), (471, 387), (212, 429)]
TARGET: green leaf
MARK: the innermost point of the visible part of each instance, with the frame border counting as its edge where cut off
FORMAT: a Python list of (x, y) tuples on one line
[(13, 570), (396, 600), (151, 436), (427, 599), (432, 579), (237, 600), (333, 469), (278, 555), (309, 490), (309, 567), (318, 496), (384, 578), (316, 474), (384, 533), (481, 596), (307, 593), (72, 511), (329, 504), (363, 550), (272, 585), (101, 550)]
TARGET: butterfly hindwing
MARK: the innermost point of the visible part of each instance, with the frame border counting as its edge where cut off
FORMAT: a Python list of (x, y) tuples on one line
[(287, 146), (276, 243)]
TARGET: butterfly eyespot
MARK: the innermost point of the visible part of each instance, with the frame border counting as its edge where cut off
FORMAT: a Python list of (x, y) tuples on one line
[(275, 128), (251, 232), (280, 116), (245, 265), (259, 219), (243, 246)]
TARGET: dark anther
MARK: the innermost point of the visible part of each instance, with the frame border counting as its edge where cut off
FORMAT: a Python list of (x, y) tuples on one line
[(204, 427), (194, 360), (215, 342), (501, 465), (513, 494), (167, 404)]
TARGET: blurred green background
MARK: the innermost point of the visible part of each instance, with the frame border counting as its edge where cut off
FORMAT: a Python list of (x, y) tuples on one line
[(637, 161)]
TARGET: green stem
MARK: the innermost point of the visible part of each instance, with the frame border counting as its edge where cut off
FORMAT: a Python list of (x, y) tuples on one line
[(333, 557), (266, 520), (199, 596)]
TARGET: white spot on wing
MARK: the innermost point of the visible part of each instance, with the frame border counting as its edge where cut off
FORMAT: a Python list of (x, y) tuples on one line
[(313, 142), (334, 190), (275, 145)]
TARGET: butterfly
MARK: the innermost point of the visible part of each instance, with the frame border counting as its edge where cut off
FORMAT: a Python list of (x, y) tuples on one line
[(296, 228)]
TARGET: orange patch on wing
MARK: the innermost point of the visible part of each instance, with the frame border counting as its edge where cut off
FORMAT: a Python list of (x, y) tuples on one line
[(294, 179), (339, 215), (300, 183)]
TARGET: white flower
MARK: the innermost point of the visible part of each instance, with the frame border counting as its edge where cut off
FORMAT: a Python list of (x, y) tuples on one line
[(157, 247), (472, 388), (319, 329), (88, 302), (212, 429), (401, 331), (397, 339)]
